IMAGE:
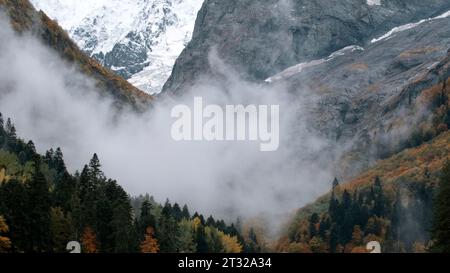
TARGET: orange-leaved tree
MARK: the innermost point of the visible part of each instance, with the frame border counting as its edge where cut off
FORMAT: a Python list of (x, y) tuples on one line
[(89, 241), (150, 244), (5, 243)]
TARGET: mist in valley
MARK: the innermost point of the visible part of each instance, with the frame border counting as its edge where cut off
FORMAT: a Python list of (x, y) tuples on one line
[(54, 105)]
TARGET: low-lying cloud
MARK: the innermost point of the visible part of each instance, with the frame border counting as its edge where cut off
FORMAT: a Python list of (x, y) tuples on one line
[(56, 106)]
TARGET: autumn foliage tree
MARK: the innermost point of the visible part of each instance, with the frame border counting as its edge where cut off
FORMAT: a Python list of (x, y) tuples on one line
[(230, 243), (150, 244), (5, 242), (46, 207), (89, 241)]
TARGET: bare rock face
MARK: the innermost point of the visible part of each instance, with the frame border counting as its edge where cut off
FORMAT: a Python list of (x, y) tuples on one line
[(382, 98), (260, 38), (361, 70)]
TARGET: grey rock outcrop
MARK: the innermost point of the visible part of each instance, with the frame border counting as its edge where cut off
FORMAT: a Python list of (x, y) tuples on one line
[(260, 38)]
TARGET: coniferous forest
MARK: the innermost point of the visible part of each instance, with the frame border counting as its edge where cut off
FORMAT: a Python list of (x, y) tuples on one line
[(362, 92), (43, 207), (403, 218)]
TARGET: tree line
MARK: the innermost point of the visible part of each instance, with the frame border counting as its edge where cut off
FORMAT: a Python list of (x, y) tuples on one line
[(409, 217), (43, 207)]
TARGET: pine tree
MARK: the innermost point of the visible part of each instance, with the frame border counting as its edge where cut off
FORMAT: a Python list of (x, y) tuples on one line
[(185, 212), (2, 122), (334, 238), (39, 208), (15, 208), (253, 244), (335, 183), (210, 221), (64, 191), (441, 221), (334, 208), (95, 168), (220, 225), (146, 219), (324, 227), (10, 129), (86, 183), (200, 237), (379, 208), (88, 195), (313, 221), (104, 221), (122, 229), (150, 244), (58, 161), (31, 147), (48, 157), (347, 222), (177, 213), (167, 231)]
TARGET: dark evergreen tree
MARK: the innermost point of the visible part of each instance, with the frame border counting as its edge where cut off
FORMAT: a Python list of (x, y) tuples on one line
[(379, 207), (210, 221), (88, 195), (146, 219), (324, 227), (220, 225), (95, 171), (10, 129), (58, 162), (122, 228), (51, 207), (252, 245), (64, 191), (185, 212), (200, 240), (2, 122), (167, 231), (177, 213), (14, 206), (39, 208), (334, 237), (313, 221), (335, 183)]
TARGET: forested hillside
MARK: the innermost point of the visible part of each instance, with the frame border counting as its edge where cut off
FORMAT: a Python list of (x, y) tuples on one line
[(43, 207), (392, 203), (24, 18)]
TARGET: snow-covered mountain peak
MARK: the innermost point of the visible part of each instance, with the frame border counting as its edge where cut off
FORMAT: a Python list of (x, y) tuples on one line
[(138, 39)]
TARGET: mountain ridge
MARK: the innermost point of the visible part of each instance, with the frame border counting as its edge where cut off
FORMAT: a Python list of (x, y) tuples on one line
[(24, 17), (139, 40), (261, 39)]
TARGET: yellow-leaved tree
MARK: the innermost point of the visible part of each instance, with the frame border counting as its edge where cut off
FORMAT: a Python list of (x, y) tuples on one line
[(230, 243)]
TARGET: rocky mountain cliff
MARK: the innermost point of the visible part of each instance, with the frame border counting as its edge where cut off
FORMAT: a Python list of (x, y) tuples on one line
[(262, 38), (138, 39), (378, 98), (24, 17), (360, 68)]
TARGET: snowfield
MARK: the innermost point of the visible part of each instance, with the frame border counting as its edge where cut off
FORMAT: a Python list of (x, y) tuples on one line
[(155, 30)]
